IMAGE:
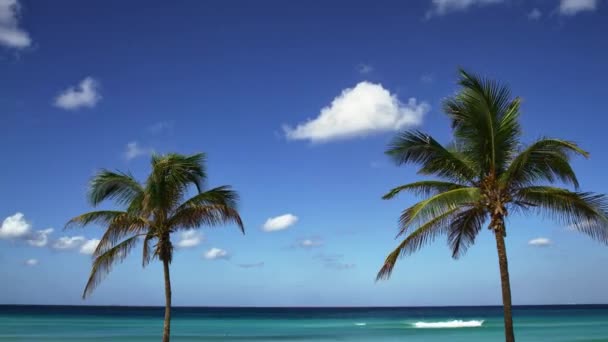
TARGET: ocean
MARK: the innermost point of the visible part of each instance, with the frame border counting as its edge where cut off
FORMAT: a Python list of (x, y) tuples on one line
[(470, 324)]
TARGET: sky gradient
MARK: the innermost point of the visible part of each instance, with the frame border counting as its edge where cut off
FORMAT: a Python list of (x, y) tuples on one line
[(294, 103)]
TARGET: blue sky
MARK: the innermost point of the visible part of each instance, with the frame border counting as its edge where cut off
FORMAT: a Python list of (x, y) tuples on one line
[(281, 97)]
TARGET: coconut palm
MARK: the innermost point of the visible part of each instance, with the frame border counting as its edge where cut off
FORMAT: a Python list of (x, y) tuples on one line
[(152, 212), (484, 175)]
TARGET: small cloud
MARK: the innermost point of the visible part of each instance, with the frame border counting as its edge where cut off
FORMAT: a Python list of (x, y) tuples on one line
[(86, 94), (366, 109), (89, 247), (39, 238), (334, 261), (68, 242), (254, 265), (539, 242), (161, 127), (573, 7), (31, 262), (14, 226), (279, 223), (427, 78), (134, 150), (216, 254), (310, 243), (535, 14), (189, 238), (365, 69), (11, 35), (443, 7)]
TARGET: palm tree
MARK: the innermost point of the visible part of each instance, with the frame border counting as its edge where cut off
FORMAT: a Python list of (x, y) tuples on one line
[(485, 174), (152, 212)]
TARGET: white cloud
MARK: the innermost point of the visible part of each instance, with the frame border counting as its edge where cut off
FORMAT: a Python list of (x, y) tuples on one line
[(31, 262), (69, 242), (89, 246), (365, 109), (253, 265), (365, 69), (442, 7), (534, 14), (86, 94), (11, 35), (39, 238), (541, 241), (216, 253), (572, 7), (189, 238), (310, 243), (134, 150), (14, 226), (279, 223)]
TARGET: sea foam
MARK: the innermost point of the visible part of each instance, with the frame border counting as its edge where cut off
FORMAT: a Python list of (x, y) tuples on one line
[(361, 324), (449, 324)]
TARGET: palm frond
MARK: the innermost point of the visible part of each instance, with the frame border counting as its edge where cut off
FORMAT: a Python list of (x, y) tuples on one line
[(425, 234), (434, 159), (101, 217), (437, 205), (423, 188), (118, 186), (484, 121), (212, 215), (545, 159), (584, 211), (120, 227), (221, 195), (463, 230), (103, 263), (148, 254)]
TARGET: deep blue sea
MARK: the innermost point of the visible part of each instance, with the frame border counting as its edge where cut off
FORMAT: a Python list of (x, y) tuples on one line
[(470, 324)]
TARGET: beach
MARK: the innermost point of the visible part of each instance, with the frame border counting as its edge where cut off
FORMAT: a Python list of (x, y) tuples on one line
[(130, 324)]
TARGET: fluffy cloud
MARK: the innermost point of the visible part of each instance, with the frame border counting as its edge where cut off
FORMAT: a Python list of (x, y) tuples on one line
[(442, 7), (31, 262), (279, 223), (190, 238), (69, 242), (11, 35), (86, 94), (572, 7), (366, 109), (39, 238), (216, 254), (541, 241), (14, 226), (89, 246), (134, 150), (253, 265)]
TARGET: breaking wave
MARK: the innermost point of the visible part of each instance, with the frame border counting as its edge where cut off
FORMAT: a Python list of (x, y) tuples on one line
[(449, 324)]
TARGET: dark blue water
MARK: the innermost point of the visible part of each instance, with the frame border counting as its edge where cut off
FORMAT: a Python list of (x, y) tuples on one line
[(82, 323)]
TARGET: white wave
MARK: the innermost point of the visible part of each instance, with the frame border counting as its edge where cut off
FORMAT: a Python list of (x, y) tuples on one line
[(449, 324), (361, 324)]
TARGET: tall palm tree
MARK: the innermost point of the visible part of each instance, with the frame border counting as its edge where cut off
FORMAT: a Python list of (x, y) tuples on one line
[(152, 212), (485, 174)]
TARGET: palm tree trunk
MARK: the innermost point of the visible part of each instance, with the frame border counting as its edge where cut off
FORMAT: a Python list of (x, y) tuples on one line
[(506, 284), (167, 325)]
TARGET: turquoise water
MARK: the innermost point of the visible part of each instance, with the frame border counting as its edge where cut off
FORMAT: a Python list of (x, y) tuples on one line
[(532, 323)]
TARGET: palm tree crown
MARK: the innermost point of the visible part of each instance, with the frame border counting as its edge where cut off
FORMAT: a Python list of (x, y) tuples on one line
[(485, 175), (153, 210)]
